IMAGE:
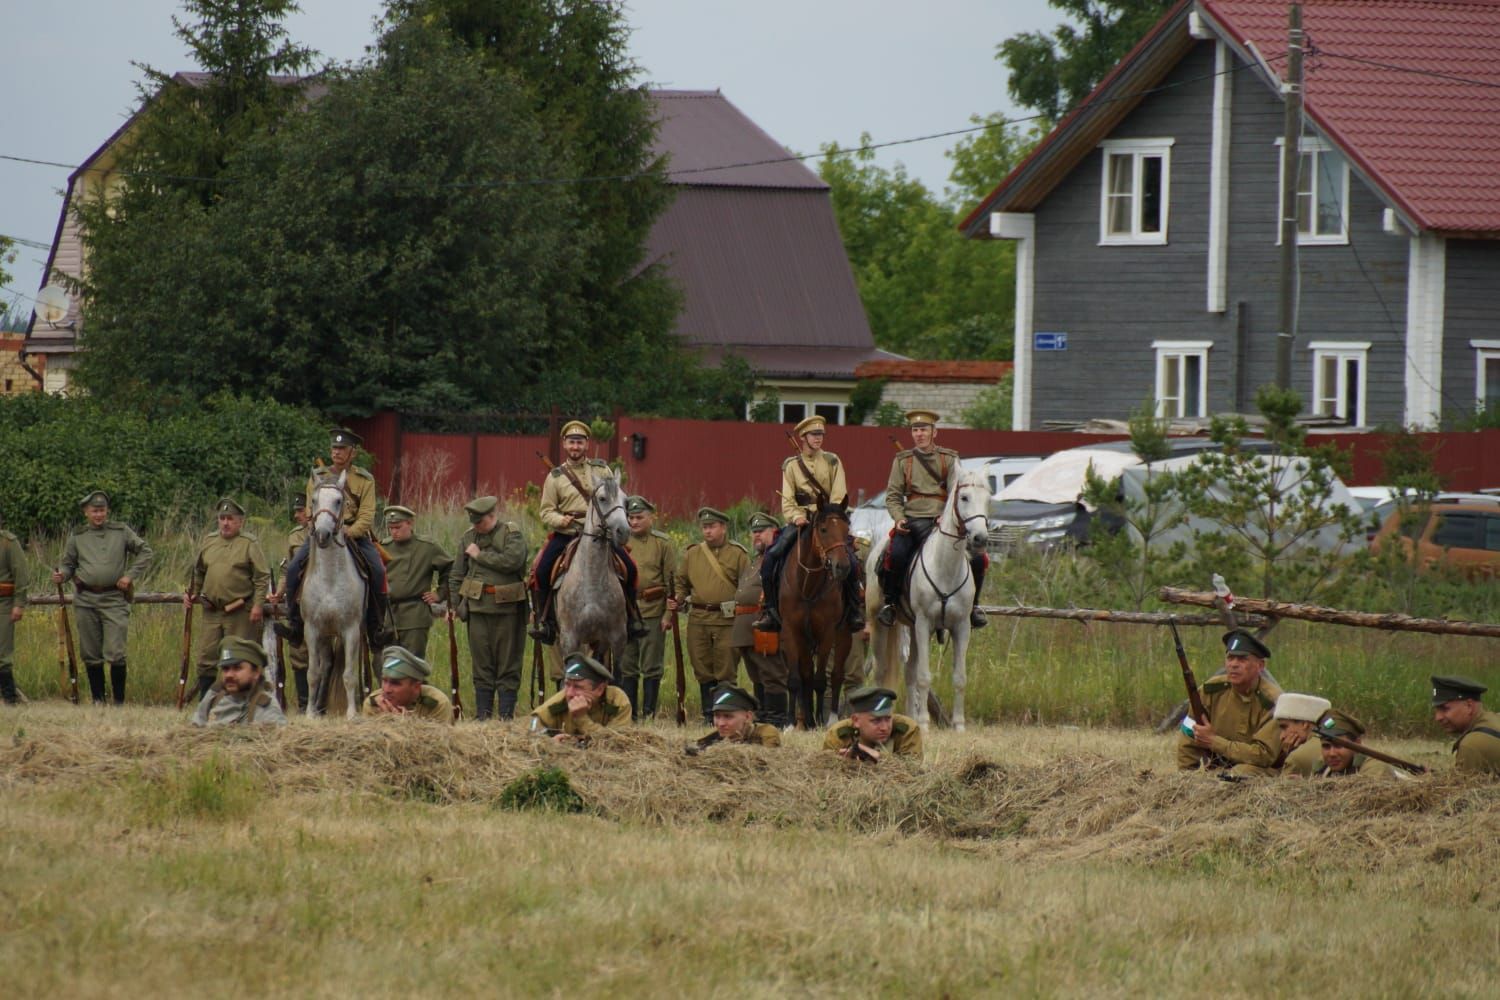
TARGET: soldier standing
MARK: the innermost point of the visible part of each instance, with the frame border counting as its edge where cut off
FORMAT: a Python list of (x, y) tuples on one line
[(921, 478), (404, 689), (487, 591), (873, 728), (655, 564), (1240, 701), (103, 558), (231, 580), (710, 576), (242, 696), (414, 565), (809, 478), (13, 577), (768, 671)]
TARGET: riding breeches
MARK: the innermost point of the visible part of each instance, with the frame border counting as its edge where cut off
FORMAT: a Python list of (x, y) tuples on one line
[(899, 553), (298, 564), (553, 550)]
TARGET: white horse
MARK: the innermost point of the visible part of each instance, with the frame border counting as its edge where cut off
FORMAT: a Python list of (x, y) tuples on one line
[(938, 594), (333, 600), (590, 600)]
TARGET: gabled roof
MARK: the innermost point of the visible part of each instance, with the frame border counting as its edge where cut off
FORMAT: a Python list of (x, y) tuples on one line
[(935, 371), (700, 129), (1405, 88)]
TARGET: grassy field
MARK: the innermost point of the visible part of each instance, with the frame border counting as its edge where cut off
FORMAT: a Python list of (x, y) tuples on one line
[(336, 859)]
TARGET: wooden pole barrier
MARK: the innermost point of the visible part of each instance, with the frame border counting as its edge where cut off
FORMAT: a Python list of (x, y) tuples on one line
[(1334, 616), (1116, 617)]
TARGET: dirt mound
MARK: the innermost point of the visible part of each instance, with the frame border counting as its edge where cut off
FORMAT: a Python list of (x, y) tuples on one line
[(1080, 806)]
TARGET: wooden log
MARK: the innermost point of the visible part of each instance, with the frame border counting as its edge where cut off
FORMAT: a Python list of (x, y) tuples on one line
[(1116, 617), (140, 598), (1335, 616)]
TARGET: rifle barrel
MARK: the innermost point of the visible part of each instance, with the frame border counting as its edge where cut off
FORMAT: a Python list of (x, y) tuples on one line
[(1384, 758)]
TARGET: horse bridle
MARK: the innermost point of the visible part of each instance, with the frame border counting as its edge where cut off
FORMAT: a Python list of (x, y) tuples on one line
[(338, 522), (603, 532), (957, 536), (818, 549)]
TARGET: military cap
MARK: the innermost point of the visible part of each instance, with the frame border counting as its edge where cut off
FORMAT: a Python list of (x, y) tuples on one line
[(708, 515), (1293, 707), (1446, 689), (921, 418), (398, 661), (228, 505), (575, 428), (236, 650), (299, 502), (480, 506), (812, 423), (761, 521), (583, 667), (728, 698), (343, 437), (1336, 723), (877, 701), (97, 498), (1243, 643), (639, 505), (396, 512)]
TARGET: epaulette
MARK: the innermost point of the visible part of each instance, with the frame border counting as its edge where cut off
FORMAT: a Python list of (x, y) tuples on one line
[(832, 458), (1265, 702), (691, 547), (789, 461), (611, 709), (900, 728), (739, 546), (249, 535), (598, 463), (427, 701), (904, 453), (1214, 687), (845, 730), (210, 536), (557, 472), (662, 535), (263, 699), (356, 470)]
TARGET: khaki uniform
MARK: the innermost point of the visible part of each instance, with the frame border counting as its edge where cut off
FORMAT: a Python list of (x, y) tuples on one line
[(296, 655), (707, 585), (431, 704), (766, 669), (220, 708), (409, 575), (359, 502), (656, 564), (610, 712), (13, 579), (905, 741), (489, 593), (761, 735), (228, 571), (912, 491), (1478, 749), (798, 496), (1244, 731), (559, 498), (94, 559)]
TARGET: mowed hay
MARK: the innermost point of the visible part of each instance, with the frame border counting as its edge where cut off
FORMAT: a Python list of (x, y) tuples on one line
[(1078, 806)]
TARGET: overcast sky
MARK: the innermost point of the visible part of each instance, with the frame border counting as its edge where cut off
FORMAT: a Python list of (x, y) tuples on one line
[(806, 71)]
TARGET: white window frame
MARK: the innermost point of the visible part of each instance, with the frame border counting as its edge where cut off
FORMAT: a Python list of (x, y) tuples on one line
[(1340, 351), (1181, 350), (1316, 148), (1138, 150), (1484, 351)]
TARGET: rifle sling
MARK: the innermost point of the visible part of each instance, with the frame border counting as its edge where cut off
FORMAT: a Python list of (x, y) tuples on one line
[(821, 495), (937, 477)]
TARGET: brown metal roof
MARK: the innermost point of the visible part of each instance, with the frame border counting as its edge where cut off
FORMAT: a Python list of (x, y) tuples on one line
[(794, 361), (704, 134)]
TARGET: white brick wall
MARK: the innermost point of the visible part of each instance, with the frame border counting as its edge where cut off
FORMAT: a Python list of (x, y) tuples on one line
[(949, 399)]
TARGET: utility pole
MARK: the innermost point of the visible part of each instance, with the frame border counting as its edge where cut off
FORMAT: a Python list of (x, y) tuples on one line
[(1291, 160)]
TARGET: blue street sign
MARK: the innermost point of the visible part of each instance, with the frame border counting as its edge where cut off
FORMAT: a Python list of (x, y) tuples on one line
[(1049, 341)]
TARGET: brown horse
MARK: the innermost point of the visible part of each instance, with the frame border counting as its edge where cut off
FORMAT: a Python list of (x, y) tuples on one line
[(812, 609)]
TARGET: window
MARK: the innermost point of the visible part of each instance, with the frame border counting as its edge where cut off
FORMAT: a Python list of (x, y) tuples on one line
[(1486, 373), (796, 412), (1322, 194), (831, 412), (1339, 380), (793, 413), (1134, 191), (1182, 377)]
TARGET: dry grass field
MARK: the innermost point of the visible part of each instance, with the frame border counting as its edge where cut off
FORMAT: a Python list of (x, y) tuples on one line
[(141, 857)]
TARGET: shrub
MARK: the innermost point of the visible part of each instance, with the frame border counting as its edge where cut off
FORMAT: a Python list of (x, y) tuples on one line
[(544, 788)]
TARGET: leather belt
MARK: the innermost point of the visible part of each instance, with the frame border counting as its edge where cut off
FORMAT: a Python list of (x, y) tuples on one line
[(747, 609), (7, 589), (703, 607), (407, 600), (111, 589), (651, 593)]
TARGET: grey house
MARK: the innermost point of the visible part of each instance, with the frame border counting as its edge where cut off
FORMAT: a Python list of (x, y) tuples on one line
[(1147, 222)]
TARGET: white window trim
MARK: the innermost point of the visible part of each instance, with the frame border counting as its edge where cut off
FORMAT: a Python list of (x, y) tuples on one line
[(1314, 144), (1484, 350), (1342, 350), (1181, 348), (1137, 148)]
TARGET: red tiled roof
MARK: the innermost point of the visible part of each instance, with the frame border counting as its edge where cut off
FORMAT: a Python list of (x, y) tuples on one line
[(1423, 124), (935, 371)]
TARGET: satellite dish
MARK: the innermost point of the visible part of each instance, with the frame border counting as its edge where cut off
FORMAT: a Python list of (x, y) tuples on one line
[(52, 305)]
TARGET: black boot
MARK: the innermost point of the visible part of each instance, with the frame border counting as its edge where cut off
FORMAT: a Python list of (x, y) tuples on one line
[(542, 628), (775, 708), (705, 696), (484, 700), (117, 681), (8, 692), (299, 680), (205, 683), (854, 607), (635, 625), (377, 612), (760, 699), (507, 704), (95, 673), (631, 687), (650, 691), (291, 629), (769, 620), (978, 565)]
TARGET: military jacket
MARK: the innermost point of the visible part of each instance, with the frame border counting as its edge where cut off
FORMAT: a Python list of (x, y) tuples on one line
[(13, 575), (747, 600), (761, 734), (701, 583), (913, 491), (97, 557), (1478, 749), (905, 741), (413, 563), (493, 581), (798, 496), (559, 498), (231, 569), (1244, 731), (655, 565), (220, 708), (359, 501), (610, 712), (431, 704), (294, 539)]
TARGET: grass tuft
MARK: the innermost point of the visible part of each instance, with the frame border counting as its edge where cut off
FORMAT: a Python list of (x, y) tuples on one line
[(214, 788), (545, 788)]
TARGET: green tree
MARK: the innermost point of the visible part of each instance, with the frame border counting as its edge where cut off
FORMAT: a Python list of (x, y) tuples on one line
[(993, 408), (1051, 73)]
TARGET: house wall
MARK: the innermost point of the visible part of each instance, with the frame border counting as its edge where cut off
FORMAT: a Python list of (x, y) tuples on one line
[(949, 399), (1471, 312), (13, 378)]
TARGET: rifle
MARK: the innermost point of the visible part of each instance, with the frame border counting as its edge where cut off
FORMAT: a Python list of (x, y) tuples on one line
[(566, 472), (1195, 701), (187, 653), (65, 642), (859, 753), (681, 677), (458, 709), (819, 494), (277, 650), (1360, 748), (701, 744)]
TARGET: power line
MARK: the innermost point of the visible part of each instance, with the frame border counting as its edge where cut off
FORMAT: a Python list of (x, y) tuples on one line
[(1413, 70)]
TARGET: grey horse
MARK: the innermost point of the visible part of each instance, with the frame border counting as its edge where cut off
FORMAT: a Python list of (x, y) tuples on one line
[(333, 600), (590, 600)]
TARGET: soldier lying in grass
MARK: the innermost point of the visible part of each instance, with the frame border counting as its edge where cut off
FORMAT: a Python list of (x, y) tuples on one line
[(241, 695)]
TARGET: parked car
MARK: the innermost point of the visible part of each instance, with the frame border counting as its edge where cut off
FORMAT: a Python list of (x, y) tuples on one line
[(1381, 512), (1465, 536)]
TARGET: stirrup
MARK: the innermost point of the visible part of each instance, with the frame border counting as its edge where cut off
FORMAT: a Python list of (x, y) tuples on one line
[(543, 632), (887, 614), (287, 632), (769, 621), (636, 628), (856, 622)]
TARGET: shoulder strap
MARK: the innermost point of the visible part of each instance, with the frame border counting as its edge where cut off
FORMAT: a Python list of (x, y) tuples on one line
[(812, 481), (941, 480), (718, 567)]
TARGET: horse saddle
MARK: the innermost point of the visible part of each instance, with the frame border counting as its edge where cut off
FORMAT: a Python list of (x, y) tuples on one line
[(566, 560)]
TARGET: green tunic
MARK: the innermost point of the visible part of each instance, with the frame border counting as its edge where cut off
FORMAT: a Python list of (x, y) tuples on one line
[(1244, 731), (610, 712), (913, 491), (1478, 749), (489, 593), (905, 741), (95, 559), (229, 572), (431, 704), (414, 563), (13, 577), (220, 708)]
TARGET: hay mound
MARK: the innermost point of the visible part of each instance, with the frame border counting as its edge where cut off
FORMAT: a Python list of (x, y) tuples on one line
[(1081, 806)]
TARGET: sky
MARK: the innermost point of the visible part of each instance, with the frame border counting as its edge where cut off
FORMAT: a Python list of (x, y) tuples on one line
[(806, 71)]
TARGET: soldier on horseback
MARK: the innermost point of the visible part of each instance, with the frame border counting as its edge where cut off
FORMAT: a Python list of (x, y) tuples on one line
[(921, 479), (359, 522), (565, 504), (810, 478)]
